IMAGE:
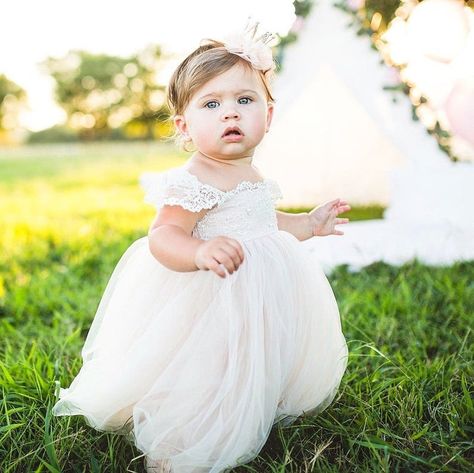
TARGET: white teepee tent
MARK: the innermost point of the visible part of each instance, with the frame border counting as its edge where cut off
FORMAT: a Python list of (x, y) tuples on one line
[(337, 133)]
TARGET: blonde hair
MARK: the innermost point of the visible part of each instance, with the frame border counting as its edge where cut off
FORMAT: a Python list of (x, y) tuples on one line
[(207, 61)]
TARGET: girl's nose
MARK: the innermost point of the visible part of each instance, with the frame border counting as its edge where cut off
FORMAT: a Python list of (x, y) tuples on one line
[(231, 114)]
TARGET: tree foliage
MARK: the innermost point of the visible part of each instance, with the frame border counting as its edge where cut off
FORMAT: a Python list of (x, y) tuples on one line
[(101, 92), (12, 99)]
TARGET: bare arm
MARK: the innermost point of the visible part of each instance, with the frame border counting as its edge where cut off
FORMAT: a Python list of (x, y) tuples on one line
[(297, 224), (170, 240), (321, 221), (171, 243)]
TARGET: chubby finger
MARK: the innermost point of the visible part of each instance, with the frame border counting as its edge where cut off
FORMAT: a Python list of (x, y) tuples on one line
[(226, 259), (343, 209), (235, 252), (330, 203), (238, 247), (217, 267)]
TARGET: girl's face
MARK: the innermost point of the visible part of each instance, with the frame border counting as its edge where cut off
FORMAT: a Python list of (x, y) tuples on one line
[(234, 98)]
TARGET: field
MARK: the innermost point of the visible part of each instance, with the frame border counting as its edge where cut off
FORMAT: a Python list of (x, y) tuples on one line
[(67, 214)]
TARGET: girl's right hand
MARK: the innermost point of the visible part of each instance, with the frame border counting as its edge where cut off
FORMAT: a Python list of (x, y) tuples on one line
[(217, 252)]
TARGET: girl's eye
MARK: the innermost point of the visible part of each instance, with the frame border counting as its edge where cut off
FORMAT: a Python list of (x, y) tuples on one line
[(241, 98), (247, 98), (212, 101)]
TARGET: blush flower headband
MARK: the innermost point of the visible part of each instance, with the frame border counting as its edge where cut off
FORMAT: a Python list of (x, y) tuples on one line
[(251, 48)]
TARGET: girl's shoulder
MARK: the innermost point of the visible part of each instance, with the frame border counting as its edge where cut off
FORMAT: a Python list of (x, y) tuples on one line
[(177, 186)]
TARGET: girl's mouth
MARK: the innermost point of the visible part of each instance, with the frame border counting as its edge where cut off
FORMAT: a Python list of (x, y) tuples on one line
[(232, 137), (230, 130)]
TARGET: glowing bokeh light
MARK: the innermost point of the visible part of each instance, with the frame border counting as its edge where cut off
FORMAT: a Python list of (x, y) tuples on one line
[(459, 109), (438, 28)]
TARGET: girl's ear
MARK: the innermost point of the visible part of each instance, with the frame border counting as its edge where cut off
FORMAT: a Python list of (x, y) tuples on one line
[(269, 115), (180, 124)]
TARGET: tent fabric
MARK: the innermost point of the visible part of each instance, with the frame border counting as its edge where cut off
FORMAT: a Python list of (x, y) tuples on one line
[(337, 133)]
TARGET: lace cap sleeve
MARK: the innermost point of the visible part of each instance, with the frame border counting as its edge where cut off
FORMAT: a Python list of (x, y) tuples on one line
[(275, 191), (177, 187)]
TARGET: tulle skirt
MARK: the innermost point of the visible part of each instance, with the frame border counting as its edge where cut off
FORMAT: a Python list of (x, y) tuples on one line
[(197, 368)]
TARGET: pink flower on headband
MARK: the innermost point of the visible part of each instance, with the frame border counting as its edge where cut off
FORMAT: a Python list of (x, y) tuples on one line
[(252, 49)]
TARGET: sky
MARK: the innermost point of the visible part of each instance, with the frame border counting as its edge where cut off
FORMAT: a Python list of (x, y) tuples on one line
[(30, 31)]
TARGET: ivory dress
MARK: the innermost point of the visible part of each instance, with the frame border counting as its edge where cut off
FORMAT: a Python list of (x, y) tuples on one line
[(196, 368)]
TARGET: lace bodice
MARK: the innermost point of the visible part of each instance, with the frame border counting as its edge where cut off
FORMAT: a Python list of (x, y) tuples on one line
[(245, 212)]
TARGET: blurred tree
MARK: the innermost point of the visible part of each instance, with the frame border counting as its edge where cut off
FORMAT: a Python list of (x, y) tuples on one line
[(303, 7), (12, 100), (386, 9), (102, 93)]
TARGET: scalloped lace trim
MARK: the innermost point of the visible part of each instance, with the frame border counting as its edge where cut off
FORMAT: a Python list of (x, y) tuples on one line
[(179, 187)]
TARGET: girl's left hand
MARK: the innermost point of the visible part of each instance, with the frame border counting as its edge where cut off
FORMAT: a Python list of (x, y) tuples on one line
[(323, 218)]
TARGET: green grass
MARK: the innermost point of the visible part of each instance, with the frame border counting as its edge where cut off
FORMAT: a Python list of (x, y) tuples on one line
[(68, 212)]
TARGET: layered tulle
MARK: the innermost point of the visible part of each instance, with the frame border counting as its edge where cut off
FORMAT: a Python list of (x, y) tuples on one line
[(198, 368)]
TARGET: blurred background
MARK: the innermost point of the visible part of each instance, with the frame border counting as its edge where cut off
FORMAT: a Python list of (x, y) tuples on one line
[(99, 72)]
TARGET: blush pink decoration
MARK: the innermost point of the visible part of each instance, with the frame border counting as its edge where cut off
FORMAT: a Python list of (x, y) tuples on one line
[(393, 76), (297, 24), (459, 108), (355, 4)]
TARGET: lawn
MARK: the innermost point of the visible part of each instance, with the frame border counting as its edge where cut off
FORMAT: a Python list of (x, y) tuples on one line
[(68, 212)]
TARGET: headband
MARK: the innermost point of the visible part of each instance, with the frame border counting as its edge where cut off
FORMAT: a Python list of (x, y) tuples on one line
[(253, 49)]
